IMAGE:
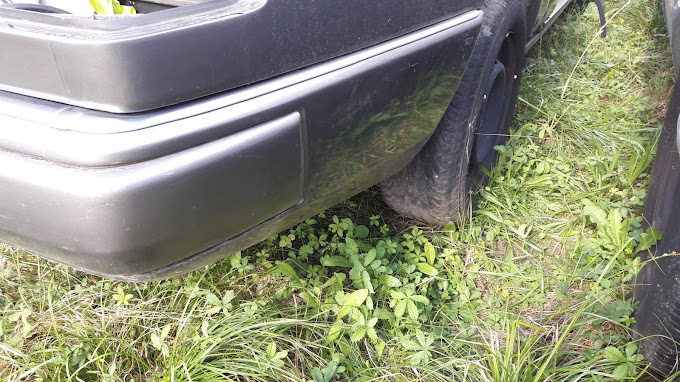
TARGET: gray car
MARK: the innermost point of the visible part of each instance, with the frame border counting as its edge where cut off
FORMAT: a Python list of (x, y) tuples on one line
[(141, 147)]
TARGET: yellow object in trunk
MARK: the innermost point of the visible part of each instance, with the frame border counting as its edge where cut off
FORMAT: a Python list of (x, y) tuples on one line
[(111, 7)]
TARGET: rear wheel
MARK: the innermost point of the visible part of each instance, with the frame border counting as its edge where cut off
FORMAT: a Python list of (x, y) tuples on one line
[(435, 186)]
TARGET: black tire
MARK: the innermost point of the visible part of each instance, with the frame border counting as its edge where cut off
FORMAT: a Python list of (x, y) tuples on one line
[(657, 285), (434, 187)]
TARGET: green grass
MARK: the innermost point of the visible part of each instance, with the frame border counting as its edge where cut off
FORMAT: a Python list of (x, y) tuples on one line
[(532, 288)]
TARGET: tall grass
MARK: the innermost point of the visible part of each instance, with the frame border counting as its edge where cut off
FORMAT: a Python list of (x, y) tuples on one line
[(531, 288)]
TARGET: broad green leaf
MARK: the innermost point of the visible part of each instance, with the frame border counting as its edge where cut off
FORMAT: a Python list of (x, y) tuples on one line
[(336, 261), (356, 298), (419, 298), (383, 314), (370, 332), (228, 296), (306, 250), (350, 248), (165, 332), (621, 372), (596, 214), (463, 292), (333, 280), (344, 347), (366, 278), (631, 348), (329, 370), (340, 277), (310, 298), (400, 308), (397, 295), (316, 374), (333, 333), (286, 270), (411, 345), (616, 227), (235, 259), (381, 348), (358, 334), (648, 239), (420, 336), (369, 302), (429, 253), (412, 310), (427, 269), (282, 354), (615, 354), (345, 310), (355, 272), (271, 350), (390, 281), (213, 300), (419, 357), (370, 256), (424, 340), (361, 232), (340, 297), (155, 341)]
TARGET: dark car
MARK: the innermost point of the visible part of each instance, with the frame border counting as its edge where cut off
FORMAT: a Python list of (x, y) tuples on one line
[(657, 286), (140, 147)]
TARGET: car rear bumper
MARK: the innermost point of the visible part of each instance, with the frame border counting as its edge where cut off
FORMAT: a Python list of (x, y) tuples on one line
[(148, 195)]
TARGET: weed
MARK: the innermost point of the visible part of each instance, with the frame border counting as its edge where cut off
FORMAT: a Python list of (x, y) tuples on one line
[(531, 288)]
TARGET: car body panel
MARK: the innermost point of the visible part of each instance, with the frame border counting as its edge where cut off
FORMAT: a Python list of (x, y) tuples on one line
[(134, 64), (82, 137), (160, 193), (126, 219), (168, 57), (170, 149)]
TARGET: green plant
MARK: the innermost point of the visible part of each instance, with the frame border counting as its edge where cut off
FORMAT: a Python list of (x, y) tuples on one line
[(626, 363), (532, 288)]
